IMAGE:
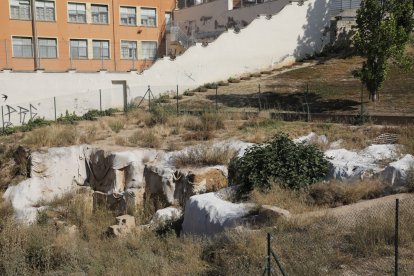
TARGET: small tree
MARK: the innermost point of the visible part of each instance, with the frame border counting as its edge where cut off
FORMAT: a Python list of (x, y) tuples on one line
[(383, 29), (293, 165)]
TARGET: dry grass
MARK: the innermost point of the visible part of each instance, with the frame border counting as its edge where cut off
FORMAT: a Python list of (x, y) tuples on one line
[(145, 138), (204, 155), (52, 136), (295, 201), (335, 193), (116, 124)]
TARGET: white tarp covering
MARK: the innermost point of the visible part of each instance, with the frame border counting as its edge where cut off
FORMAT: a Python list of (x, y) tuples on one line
[(208, 214), (396, 172), (350, 164)]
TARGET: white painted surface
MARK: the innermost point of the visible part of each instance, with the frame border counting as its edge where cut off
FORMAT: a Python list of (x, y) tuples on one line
[(209, 20), (208, 214), (265, 43)]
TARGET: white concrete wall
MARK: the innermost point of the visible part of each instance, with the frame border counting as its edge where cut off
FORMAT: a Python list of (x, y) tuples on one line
[(209, 20), (265, 43)]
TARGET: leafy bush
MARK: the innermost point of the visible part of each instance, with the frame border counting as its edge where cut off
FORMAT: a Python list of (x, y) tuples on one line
[(293, 165)]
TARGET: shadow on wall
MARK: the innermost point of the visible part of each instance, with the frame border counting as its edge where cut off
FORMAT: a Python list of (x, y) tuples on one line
[(318, 20)]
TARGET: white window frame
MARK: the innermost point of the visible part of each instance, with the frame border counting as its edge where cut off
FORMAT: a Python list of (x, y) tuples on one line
[(19, 6), (77, 13), (99, 14), (26, 45), (128, 17), (141, 17), (45, 18), (100, 56), (49, 47), (130, 56), (143, 52), (86, 48)]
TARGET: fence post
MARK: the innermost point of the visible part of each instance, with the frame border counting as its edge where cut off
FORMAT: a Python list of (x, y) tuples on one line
[(149, 98), (54, 104), (397, 209), (177, 101), (260, 102), (216, 97), (100, 100), (2, 117), (269, 269)]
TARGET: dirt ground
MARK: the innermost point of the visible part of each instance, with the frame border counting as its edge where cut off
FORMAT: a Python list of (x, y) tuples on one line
[(326, 86)]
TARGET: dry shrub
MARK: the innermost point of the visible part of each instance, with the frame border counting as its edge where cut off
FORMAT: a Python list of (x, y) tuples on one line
[(121, 141), (406, 138), (116, 124), (294, 201), (212, 121), (191, 122), (198, 136), (52, 136), (335, 193), (145, 138), (204, 155), (139, 117), (89, 136)]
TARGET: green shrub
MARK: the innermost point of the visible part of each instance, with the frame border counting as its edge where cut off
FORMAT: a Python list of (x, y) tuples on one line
[(188, 93), (293, 165), (211, 85), (69, 118), (233, 80)]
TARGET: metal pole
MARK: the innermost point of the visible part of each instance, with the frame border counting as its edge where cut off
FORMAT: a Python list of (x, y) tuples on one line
[(100, 99), (2, 117), (260, 103), (397, 209), (54, 103), (278, 263), (216, 97), (149, 98), (7, 54), (268, 255), (177, 101)]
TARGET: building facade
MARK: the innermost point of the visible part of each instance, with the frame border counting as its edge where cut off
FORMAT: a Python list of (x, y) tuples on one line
[(84, 35)]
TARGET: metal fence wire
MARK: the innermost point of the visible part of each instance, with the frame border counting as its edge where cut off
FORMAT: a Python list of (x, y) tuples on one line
[(375, 237)]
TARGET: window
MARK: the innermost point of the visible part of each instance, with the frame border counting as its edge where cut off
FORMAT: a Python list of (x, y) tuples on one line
[(20, 9), (77, 12), (79, 48), (22, 47), (128, 49), (149, 50), (168, 21), (47, 48), (100, 14), (148, 17), (128, 16), (45, 10), (101, 49)]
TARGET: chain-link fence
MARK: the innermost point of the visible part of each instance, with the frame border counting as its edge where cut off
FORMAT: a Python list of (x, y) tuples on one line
[(375, 237)]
